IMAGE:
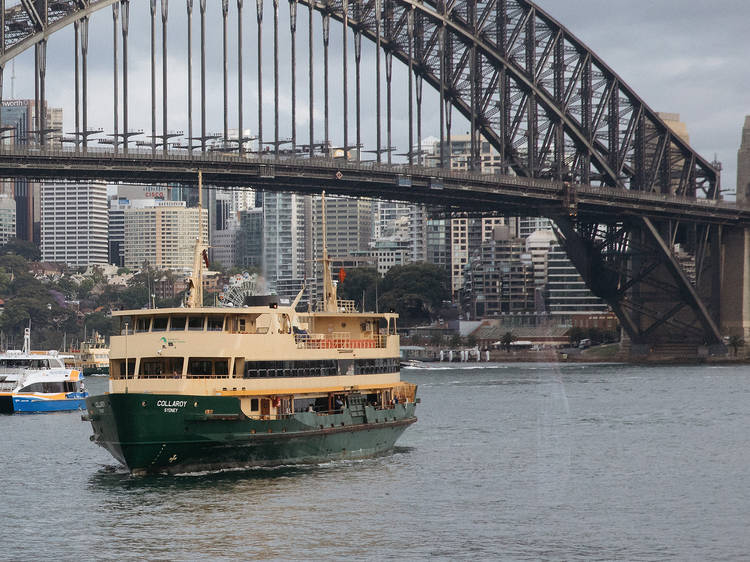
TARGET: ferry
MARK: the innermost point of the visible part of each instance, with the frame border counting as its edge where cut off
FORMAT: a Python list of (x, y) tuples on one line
[(93, 357), (33, 382), (207, 388)]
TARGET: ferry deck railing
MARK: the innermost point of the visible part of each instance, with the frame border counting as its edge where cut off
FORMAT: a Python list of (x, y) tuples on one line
[(339, 340)]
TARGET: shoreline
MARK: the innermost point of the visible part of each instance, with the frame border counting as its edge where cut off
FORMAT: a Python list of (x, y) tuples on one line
[(610, 353)]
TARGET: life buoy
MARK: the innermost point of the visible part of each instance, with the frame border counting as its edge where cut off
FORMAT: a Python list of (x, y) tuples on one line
[(276, 402)]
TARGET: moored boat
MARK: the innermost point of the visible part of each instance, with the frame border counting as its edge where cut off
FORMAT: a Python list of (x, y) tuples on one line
[(202, 388), (93, 357), (34, 382)]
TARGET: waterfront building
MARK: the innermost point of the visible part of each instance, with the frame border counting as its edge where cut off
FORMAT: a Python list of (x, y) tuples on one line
[(538, 245), (567, 292), (74, 223), (163, 236), (499, 277), (466, 236)]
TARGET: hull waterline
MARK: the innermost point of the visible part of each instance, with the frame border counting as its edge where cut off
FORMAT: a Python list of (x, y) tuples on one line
[(173, 434)]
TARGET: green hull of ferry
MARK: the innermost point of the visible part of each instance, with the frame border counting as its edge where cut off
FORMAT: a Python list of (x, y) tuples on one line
[(182, 433)]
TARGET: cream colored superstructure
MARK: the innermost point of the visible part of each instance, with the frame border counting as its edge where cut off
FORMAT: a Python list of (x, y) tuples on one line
[(169, 351)]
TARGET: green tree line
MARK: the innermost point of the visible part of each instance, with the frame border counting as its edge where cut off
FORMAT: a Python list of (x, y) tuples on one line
[(416, 291)]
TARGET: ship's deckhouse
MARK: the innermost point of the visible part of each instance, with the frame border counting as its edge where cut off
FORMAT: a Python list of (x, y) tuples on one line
[(248, 350)]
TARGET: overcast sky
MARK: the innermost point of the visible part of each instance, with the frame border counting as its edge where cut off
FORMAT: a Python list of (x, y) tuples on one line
[(682, 56)]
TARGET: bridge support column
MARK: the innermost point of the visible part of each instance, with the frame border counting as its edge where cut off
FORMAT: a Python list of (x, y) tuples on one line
[(735, 254), (735, 285)]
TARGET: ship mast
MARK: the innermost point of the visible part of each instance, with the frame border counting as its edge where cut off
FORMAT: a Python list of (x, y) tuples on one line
[(195, 283), (329, 289)]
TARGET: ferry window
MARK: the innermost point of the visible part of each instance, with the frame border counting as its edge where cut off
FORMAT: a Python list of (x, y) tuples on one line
[(304, 404), (36, 387), (142, 324), (242, 325), (151, 367), (121, 369), (178, 323), (195, 323), (215, 323), (221, 367), (160, 324), (46, 387), (174, 367), (254, 405), (199, 367)]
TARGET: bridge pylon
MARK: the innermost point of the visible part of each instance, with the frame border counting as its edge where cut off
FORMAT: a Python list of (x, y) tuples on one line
[(735, 290)]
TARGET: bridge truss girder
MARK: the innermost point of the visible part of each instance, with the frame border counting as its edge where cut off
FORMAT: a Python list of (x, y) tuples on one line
[(632, 265), (544, 100)]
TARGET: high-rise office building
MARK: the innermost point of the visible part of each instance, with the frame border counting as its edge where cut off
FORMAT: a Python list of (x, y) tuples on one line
[(128, 197), (164, 236), (74, 223), (283, 237), (18, 118), (349, 225), (7, 218), (250, 239)]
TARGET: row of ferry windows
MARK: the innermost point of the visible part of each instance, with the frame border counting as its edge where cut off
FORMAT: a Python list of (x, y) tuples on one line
[(198, 367), (263, 369), (51, 387), (179, 323), (200, 323)]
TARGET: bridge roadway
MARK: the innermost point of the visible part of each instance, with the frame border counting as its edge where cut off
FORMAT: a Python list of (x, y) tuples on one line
[(461, 190)]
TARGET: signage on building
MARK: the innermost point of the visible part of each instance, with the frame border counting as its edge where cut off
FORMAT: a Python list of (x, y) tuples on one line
[(16, 103)]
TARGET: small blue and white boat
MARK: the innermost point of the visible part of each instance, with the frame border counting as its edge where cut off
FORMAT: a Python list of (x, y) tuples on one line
[(32, 382)]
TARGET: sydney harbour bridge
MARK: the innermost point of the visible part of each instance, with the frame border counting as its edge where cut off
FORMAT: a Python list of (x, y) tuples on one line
[(637, 209)]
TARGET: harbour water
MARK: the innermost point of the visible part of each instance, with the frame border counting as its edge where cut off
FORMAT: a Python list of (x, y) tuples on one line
[(507, 461)]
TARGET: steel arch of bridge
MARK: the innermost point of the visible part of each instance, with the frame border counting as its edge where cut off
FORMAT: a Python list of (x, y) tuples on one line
[(552, 109), (546, 102)]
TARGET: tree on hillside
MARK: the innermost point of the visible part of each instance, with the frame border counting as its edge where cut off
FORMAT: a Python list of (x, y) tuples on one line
[(28, 250), (102, 324), (357, 281), (416, 291)]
